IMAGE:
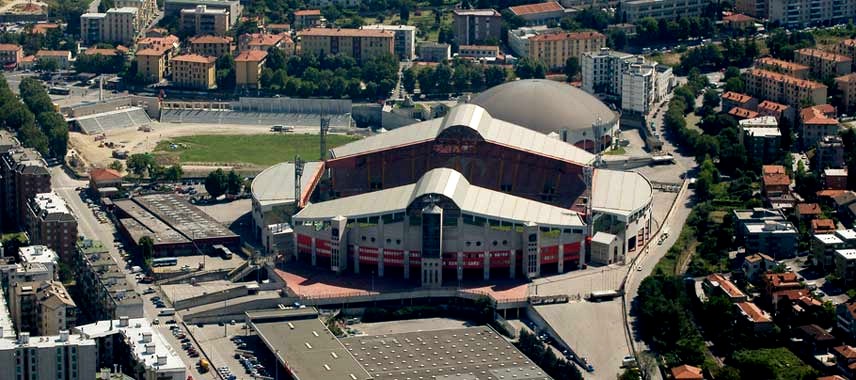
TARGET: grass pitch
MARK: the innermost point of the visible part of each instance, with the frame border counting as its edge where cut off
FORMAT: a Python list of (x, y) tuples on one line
[(259, 150)]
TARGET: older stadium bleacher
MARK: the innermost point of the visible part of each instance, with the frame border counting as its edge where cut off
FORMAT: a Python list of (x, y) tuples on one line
[(118, 119), (251, 118)]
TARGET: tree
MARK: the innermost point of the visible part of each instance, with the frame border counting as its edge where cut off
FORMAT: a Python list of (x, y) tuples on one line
[(215, 183), (225, 72), (33, 137), (173, 173), (404, 12), (494, 75), (572, 68), (56, 129), (734, 84), (147, 249), (117, 165), (234, 183), (140, 163), (408, 80), (528, 68), (14, 114)]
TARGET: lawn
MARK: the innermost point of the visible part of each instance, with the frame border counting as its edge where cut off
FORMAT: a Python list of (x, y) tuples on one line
[(261, 150)]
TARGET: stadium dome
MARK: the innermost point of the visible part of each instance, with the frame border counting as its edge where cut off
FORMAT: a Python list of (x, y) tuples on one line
[(550, 107)]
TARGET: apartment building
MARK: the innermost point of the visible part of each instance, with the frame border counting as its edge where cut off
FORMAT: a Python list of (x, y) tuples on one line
[(23, 174), (232, 7), (487, 52), (847, 48), (824, 246), (795, 70), (151, 64), (602, 71), (117, 25), (38, 255), (757, 264), (266, 41), (147, 9), (829, 153), (360, 44), (845, 318), (405, 39), (308, 18), (11, 54), (634, 10), (202, 20), (638, 83), (248, 68), (750, 314), (777, 110), (801, 13), (212, 46), (777, 239), (847, 85), (434, 52), (761, 138), (823, 64), (732, 100), (61, 57), (783, 88), (845, 265), (51, 223), (56, 357), (476, 26), (834, 179), (754, 8), (518, 39), (194, 71), (42, 308), (554, 49), (539, 13), (817, 122), (107, 294)]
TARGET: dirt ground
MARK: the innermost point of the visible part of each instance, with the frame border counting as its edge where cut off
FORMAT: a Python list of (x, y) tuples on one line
[(97, 154)]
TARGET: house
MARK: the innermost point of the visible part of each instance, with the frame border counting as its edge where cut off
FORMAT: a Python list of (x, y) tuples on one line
[(822, 226), (759, 320), (99, 178), (741, 113), (813, 340), (775, 180), (738, 21), (816, 122), (732, 99), (845, 318), (807, 211), (61, 57), (776, 282), (718, 284), (778, 110), (687, 372), (845, 265), (829, 153), (835, 179), (757, 264), (794, 301), (845, 359), (823, 247)]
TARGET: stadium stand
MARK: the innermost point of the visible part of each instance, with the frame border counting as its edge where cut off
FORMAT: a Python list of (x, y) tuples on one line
[(118, 119), (251, 118)]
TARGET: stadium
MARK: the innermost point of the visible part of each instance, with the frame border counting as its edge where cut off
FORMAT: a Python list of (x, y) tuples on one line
[(467, 196)]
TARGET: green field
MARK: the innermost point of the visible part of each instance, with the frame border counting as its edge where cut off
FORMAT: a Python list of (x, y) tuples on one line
[(260, 150)]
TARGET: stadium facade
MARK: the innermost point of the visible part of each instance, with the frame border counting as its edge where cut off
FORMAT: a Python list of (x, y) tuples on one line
[(464, 197)]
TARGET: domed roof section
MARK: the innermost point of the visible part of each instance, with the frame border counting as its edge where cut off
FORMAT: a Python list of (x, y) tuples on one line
[(545, 106)]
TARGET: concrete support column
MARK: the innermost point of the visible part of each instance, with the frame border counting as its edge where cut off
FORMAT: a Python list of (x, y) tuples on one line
[(406, 265), (460, 266), (357, 259), (380, 262), (512, 263), (486, 263), (561, 257), (314, 252)]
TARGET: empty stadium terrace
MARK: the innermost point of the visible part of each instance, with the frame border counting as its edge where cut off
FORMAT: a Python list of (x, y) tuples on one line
[(260, 111), (112, 120)]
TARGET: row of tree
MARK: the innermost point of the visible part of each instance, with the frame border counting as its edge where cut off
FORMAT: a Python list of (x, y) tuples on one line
[(444, 78), (51, 138), (713, 57), (219, 182), (335, 76), (145, 164)]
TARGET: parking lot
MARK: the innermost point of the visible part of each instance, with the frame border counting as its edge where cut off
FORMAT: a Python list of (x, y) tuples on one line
[(237, 349)]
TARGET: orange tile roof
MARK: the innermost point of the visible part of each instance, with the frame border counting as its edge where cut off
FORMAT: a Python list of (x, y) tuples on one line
[(737, 17), (196, 58), (529, 9), (802, 296), (817, 115), (208, 39), (776, 180), (94, 51), (753, 312), (99, 174), (251, 56), (849, 78), (743, 113), (53, 53), (848, 42), (823, 55), (726, 285), (736, 97), (787, 65), (822, 225), (7, 47), (308, 12), (808, 208), (567, 36), (28, 58), (43, 28), (778, 77), (325, 32), (773, 169), (168, 41), (687, 372), (833, 377), (151, 52), (772, 106), (780, 279), (847, 352), (264, 39)]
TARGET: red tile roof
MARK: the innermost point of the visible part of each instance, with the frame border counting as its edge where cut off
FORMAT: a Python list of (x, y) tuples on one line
[(772, 106), (781, 279), (99, 174), (823, 55), (53, 53), (786, 65), (687, 372), (196, 58), (737, 17), (94, 51), (567, 36), (821, 225), (778, 77), (529, 9), (726, 285), (773, 169), (753, 312), (736, 97), (308, 12), (341, 32), (847, 352), (743, 113), (818, 115), (210, 40), (7, 47), (251, 56), (808, 209)]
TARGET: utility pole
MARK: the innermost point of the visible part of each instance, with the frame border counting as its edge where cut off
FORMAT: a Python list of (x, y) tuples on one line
[(325, 126), (298, 174)]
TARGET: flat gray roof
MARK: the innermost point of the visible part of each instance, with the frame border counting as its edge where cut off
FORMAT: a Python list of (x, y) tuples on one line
[(184, 217), (472, 353), (143, 223), (301, 341)]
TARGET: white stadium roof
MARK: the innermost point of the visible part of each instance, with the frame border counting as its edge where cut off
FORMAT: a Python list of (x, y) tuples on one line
[(481, 122), (620, 193), (275, 184), (469, 198)]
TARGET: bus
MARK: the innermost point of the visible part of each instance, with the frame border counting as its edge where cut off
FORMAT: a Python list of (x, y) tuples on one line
[(166, 312), (224, 251), (164, 262), (603, 295), (56, 90)]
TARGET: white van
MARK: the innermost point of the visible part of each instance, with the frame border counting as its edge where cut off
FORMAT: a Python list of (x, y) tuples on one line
[(166, 312)]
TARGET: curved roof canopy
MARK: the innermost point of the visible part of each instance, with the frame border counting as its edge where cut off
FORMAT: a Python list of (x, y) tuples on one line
[(620, 193), (448, 183), (545, 106)]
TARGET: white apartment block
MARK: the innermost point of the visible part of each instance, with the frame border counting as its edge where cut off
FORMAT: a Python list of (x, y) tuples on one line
[(38, 254), (61, 357), (633, 10), (638, 84), (405, 39), (518, 39), (601, 71), (799, 13), (626, 77), (116, 25)]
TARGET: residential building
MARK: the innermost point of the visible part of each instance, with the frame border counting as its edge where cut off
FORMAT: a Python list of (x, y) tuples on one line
[(774, 238), (308, 18), (266, 41), (775, 180), (735, 99), (822, 226), (756, 215), (741, 113), (476, 26), (754, 8), (10, 55), (829, 153), (194, 71), (759, 320), (738, 22), (817, 122), (133, 345), (602, 71), (116, 25), (151, 64), (664, 82), (756, 265), (717, 284), (107, 294), (801, 13), (42, 308), (539, 13), (405, 39), (248, 68), (795, 70), (847, 86), (761, 138), (777, 110), (277, 28), (360, 44), (846, 47), (12, 274), (554, 49), (51, 223), (232, 7), (169, 44), (783, 88), (58, 357), (61, 57), (797, 302), (812, 340), (38, 255), (634, 10), (202, 20), (845, 360), (845, 265), (835, 179), (147, 9), (212, 46), (100, 177), (687, 372), (777, 282), (638, 90), (823, 63), (823, 247), (479, 52), (807, 211), (518, 39), (434, 52), (845, 318), (23, 174)]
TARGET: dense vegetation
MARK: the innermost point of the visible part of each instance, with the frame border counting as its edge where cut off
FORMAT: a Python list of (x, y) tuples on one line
[(47, 132), (445, 78), (334, 76)]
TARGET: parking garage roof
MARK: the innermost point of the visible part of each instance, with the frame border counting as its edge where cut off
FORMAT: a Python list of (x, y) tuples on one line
[(184, 217)]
